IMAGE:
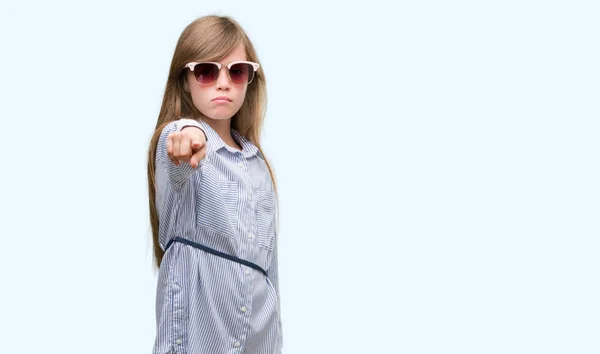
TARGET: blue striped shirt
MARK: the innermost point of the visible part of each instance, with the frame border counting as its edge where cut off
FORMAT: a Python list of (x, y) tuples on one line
[(206, 303)]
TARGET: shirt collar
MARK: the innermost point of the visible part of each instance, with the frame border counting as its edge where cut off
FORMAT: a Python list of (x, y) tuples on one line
[(215, 142)]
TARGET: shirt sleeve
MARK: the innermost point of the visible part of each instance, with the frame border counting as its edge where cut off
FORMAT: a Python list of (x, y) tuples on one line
[(273, 274), (176, 174)]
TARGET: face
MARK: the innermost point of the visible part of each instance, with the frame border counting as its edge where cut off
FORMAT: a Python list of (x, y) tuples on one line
[(223, 98)]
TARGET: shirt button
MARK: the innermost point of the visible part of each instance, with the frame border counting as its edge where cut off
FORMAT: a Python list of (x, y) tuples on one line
[(247, 271), (241, 164), (178, 341), (249, 196), (244, 309), (251, 236), (237, 344)]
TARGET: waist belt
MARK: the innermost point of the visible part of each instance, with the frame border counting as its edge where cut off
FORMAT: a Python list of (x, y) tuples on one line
[(215, 252)]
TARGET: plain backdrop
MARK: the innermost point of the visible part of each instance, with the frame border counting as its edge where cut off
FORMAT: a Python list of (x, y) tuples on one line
[(437, 164)]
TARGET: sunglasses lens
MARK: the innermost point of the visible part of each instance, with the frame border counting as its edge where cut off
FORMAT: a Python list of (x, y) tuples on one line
[(241, 73), (206, 73)]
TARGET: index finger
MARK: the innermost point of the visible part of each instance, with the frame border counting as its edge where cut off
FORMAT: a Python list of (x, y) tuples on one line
[(197, 143)]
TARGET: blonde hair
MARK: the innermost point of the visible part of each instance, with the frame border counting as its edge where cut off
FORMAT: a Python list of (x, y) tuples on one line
[(208, 38)]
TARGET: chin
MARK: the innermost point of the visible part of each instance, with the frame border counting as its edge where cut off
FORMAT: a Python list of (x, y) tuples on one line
[(219, 117), (220, 114)]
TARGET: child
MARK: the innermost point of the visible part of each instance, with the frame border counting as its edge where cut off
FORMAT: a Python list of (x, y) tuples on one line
[(212, 200)]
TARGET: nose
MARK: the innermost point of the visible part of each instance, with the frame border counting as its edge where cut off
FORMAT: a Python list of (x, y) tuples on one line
[(223, 79)]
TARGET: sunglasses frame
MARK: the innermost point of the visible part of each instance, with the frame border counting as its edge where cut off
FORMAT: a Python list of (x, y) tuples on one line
[(193, 64)]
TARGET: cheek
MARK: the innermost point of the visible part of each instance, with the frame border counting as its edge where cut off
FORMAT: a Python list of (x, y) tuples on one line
[(199, 97), (241, 96)]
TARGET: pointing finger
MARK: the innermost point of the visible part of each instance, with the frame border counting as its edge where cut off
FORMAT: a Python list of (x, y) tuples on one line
[(197, 157)]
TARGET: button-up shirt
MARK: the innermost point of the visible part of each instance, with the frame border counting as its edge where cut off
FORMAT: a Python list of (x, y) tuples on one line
[(206, 303)]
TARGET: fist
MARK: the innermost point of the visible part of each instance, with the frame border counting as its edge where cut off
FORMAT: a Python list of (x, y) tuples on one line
[(187, 145)]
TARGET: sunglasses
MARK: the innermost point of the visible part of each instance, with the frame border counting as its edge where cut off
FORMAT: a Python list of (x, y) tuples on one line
[(239, 72)]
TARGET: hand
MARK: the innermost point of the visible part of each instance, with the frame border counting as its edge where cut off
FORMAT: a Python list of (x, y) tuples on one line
[(187, 145)]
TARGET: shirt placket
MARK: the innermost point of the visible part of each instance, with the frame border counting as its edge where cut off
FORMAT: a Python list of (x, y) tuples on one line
[(247, 231)]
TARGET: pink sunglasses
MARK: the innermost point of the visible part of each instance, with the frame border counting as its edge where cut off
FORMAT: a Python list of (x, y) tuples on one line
[(239, 72)]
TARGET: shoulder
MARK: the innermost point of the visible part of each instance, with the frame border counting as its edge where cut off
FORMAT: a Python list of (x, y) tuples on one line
[(248, 147)]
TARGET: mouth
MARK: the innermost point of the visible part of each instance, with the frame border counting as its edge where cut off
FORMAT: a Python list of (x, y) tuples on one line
[(221, 99)]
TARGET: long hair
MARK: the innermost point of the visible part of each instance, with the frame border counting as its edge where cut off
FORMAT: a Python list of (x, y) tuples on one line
[(208, 38)]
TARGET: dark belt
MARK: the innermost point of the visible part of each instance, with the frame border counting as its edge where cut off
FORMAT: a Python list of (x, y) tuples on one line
[(215, 252)]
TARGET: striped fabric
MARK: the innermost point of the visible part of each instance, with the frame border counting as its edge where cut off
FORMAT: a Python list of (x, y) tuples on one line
[(205, 303)]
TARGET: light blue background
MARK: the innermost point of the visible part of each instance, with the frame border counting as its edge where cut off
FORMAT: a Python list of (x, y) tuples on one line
[(437, 166)]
